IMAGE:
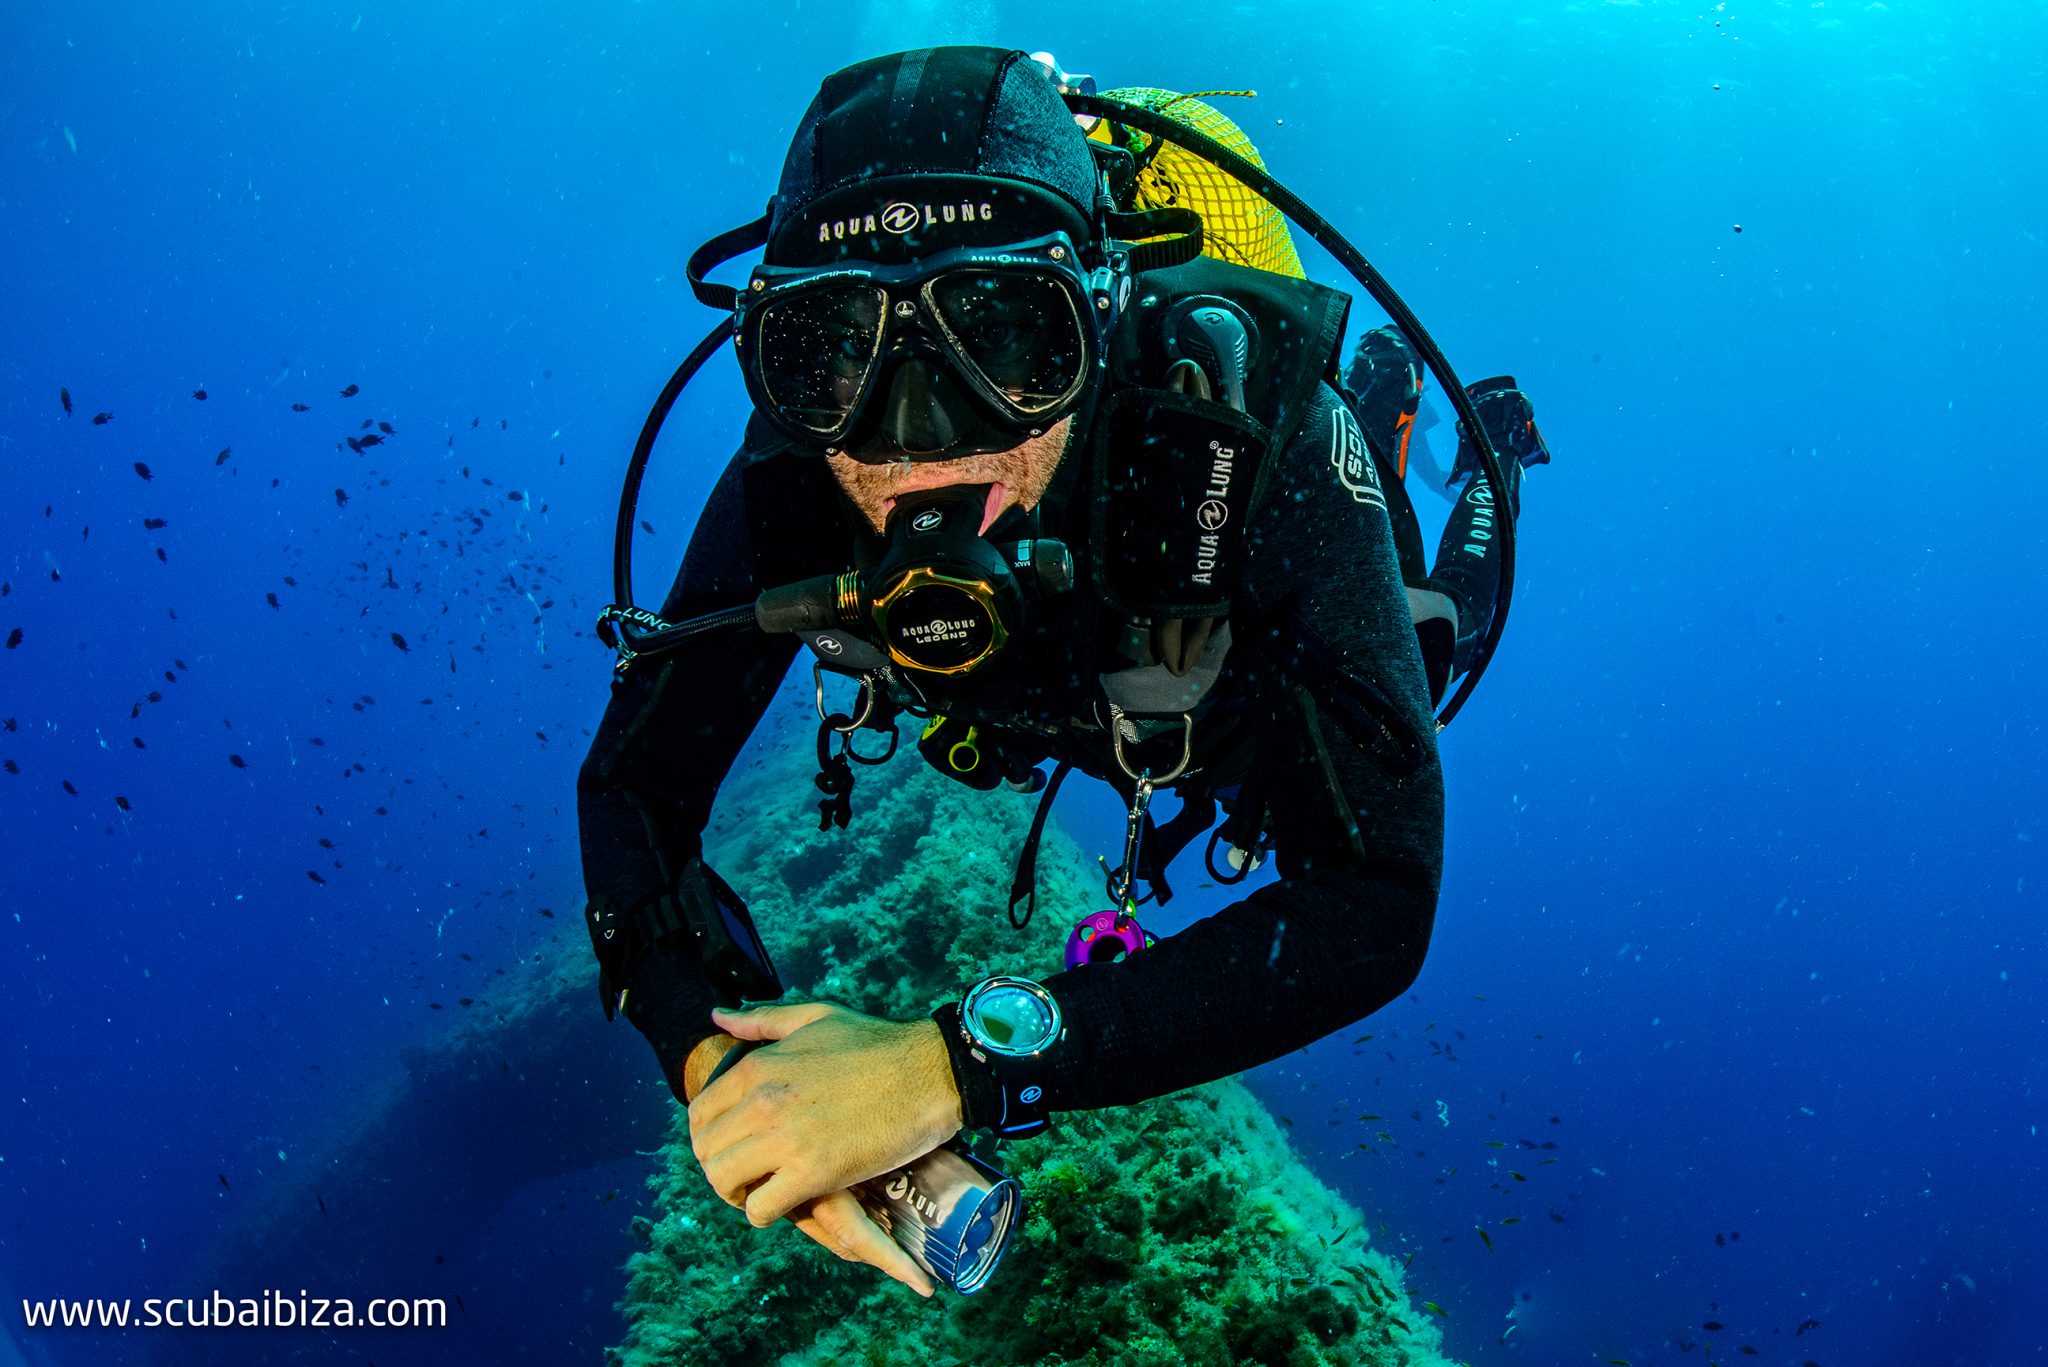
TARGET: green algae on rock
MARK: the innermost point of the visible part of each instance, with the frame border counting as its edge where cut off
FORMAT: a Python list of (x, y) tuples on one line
[(1180, 1231)]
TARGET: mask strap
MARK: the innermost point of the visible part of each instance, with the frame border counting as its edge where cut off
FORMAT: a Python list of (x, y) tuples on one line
[(718, 250)]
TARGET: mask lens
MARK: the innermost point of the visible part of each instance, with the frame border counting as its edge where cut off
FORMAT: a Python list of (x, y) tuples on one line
[(1020, 332), (816, 350)]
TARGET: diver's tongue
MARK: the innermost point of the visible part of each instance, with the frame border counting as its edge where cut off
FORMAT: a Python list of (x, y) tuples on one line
[(992, 510)]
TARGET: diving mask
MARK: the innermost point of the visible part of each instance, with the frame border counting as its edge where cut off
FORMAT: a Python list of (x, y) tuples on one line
[(970, 350)]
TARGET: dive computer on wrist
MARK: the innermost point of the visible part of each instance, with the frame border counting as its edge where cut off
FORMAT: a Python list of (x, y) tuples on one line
[(1007, 1027)]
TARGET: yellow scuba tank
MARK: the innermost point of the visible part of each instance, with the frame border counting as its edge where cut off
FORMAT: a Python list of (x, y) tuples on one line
[(1238, 225)]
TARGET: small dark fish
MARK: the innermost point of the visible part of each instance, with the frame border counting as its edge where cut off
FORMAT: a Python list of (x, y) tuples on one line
[(646, 526), (122, 803), (316, 878), (270, 598), (351, 391), (1720, 1241), (1484, 1239), (102, 419), (365, 442), (223, 1181), (320, 1203), (199, 394), (12, 767), (608, 1197), (143, 470), (154, 696), (515, 497), (341, 498), (68, 788), (64, 397), (138, 742), (543, 911), (14, 638), (9, 724), (154, 523), (302, 408), (291, 582), (1805, 1325), (399, 641), (354, 445), (222, 458), (387, 429), (433, 1006), (325, 843), (1745, 1349), (238, 761), (1713, 1326), (465, 1001)]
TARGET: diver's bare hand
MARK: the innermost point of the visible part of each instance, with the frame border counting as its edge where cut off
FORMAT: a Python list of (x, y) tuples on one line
[(837, 1221), (830, 1099)]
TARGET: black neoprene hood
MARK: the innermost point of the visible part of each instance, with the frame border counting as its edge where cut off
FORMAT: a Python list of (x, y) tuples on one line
[(925, 150)]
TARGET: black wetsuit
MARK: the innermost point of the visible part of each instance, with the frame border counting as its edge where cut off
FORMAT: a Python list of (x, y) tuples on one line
[(1322, 709)]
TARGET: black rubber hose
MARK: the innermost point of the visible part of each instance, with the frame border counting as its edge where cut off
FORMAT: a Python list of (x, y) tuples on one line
[(650, 641), (1280, 197), (629, 496), (644, 633)]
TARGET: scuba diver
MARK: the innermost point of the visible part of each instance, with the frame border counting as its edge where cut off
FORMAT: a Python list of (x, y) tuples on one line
[(1049, 461)]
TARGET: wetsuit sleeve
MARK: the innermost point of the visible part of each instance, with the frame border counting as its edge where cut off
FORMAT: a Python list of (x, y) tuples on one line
[(1346, 753), (669, 735)]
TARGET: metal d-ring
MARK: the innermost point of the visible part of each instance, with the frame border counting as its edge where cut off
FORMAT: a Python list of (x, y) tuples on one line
[(866, 700), (1116, 741)]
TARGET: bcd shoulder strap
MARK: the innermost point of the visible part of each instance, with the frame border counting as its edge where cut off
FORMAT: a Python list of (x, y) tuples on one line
[(1175, 478)]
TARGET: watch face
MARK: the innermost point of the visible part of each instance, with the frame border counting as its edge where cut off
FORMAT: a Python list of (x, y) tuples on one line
[(1012, 1020)]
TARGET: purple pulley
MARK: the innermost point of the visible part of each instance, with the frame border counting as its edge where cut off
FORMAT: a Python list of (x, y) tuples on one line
[(1106, 936)]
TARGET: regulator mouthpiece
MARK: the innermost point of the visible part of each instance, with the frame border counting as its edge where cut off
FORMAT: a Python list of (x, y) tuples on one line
[(944, 600)]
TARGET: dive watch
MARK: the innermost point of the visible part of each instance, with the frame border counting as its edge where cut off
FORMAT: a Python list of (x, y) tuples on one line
[(1002, 1032)]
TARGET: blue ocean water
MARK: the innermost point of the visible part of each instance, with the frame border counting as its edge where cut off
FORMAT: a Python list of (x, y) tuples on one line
[(1743, 887)]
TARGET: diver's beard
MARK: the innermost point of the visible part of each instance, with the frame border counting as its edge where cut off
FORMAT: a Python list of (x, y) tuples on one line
[(1021, 475)]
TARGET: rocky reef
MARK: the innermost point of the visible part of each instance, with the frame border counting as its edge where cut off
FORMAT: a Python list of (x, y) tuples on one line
[(1182, 1231)]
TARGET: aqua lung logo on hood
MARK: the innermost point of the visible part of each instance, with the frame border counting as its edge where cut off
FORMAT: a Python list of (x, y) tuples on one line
[(903, 218)]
